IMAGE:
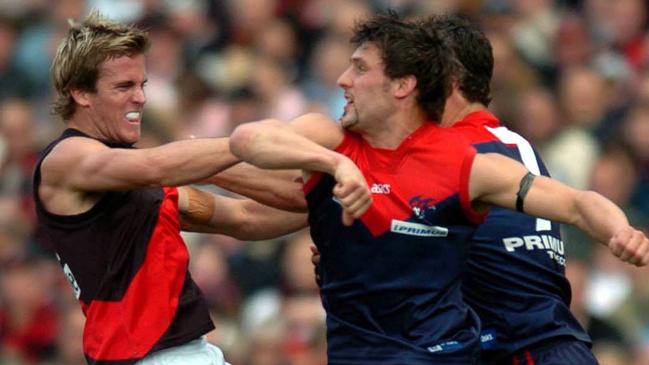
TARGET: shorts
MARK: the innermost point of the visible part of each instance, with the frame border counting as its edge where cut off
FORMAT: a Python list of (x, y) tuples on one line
[(567, 351), (197, 352)]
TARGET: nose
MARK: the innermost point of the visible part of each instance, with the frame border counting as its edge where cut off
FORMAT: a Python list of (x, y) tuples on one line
[(139, 96), (344, 80)]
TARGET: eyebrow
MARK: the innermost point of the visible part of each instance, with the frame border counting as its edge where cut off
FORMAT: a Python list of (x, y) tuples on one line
[(128, 82), (357, 61)]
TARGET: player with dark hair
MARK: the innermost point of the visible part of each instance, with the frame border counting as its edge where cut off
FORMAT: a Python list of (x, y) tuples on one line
[(391, 282), (515, 276)]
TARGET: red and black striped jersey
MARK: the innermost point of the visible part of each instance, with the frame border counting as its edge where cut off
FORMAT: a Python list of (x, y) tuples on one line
[(128, 267)]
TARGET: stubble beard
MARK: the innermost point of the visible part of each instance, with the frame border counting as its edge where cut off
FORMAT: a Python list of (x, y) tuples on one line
[(349, 118)]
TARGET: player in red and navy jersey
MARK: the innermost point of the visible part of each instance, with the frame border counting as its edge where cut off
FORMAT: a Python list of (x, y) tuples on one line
[(391, 280), (515, 277), (113, 213)]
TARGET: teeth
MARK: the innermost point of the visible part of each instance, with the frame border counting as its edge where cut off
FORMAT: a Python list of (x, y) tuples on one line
[(133, 115)]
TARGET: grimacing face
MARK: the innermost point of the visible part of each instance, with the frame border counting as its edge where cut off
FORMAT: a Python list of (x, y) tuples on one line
[(367, 88), (116, 105)]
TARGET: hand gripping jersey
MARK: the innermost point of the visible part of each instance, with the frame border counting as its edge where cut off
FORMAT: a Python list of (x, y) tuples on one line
[(127, 265), (515, 276), (391, 282)]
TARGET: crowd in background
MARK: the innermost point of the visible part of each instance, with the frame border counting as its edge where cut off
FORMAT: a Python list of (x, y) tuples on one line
[(570, 76)]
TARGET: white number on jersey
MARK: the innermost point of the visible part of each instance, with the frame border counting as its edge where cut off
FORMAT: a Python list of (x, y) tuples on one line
[(529, 160)]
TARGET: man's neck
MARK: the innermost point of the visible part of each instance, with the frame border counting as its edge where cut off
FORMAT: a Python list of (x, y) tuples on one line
[(395, 129), (457, 108), (82, 123)]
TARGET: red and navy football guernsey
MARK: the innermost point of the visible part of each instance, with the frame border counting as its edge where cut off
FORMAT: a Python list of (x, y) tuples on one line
[(515, 276), (391, 283), (127, 264)]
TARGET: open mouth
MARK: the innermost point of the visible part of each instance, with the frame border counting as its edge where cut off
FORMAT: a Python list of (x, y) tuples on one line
[(134, 117), (350, 101)]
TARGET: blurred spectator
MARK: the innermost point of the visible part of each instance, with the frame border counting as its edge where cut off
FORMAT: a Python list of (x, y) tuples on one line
[(15, 228), (537, 117), (18, 135), (297, 270), (28, 318), (572, 44), (210, 272), (201, 112), (277, 96), (635, 132), (13, 81), (536, 24), (164, 65), (328, 61), (70, 337), (583, 102)]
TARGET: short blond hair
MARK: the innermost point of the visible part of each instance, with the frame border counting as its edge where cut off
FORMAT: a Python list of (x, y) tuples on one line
[(80, 54)]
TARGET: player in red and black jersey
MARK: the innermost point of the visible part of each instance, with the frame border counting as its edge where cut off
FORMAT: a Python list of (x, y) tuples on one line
[(391, 279), (113, 213)]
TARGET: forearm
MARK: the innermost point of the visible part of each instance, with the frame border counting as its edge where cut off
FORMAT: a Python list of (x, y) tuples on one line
[(264, 223), (201, 211), (496, 180), (598, 216), (268, 223), (188, 161), (270, 145), (280, 189)]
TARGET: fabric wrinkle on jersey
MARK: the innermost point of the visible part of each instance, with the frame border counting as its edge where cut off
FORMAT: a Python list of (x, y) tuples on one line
[(391, 282), (515, 278), (127, 264)]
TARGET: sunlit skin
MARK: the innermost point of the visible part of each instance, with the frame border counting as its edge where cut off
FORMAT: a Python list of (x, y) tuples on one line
[(367, 88), (113, 112)]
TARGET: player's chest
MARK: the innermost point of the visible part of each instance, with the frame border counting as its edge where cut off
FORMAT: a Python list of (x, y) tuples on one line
[(420, 190)]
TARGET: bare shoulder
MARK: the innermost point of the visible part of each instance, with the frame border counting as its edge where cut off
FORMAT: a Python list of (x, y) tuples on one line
[(58, 171), (319, 128), (65, 157)]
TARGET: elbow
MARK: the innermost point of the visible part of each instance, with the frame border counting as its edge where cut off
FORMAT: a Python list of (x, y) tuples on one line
[(579, 208), (241, 138), (245, 136)]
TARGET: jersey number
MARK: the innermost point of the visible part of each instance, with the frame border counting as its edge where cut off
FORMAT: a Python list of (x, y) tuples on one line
[(528, 158)]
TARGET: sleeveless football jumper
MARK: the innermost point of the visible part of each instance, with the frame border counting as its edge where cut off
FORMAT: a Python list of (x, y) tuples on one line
[(515, 277), (390, 283), (127, 264)]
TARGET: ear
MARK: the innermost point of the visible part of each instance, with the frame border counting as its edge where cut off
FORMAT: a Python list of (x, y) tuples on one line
[(80, 97), (405, 86)]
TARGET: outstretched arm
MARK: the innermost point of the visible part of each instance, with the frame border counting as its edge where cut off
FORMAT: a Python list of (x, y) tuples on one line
[(86, 165), (304, 144), (205, 212), (495, 180)]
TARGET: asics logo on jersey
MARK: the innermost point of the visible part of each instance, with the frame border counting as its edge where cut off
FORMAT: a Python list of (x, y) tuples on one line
[(380, 188)]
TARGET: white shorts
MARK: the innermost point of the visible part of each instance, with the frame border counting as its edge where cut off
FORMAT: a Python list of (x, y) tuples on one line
[(197, 352)]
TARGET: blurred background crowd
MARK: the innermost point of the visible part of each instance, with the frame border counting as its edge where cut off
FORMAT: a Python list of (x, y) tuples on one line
[(571, 76)]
